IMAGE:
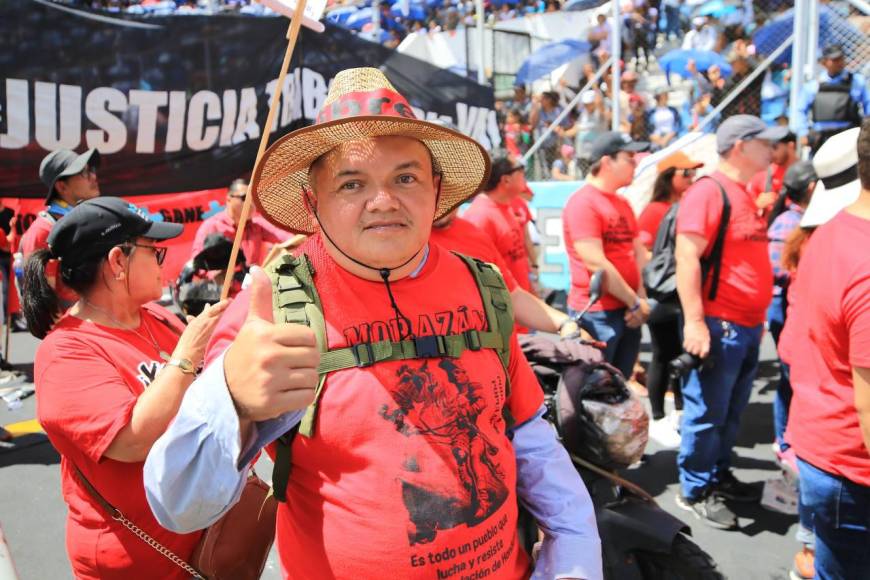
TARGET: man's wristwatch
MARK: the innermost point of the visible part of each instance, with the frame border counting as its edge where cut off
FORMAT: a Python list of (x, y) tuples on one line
[(184, 364), (636, 306)]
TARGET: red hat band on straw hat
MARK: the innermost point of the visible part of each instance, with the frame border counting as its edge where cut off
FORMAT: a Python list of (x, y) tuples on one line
[(379, 102)]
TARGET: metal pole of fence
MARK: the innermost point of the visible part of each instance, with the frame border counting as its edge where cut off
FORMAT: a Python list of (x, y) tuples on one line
[(481, 52), (811, 49), (615, 56), (765, 64), (376, 20), (798, 58), (595, 78)]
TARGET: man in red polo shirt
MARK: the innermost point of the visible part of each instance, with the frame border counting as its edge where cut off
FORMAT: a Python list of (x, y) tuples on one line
[(257, 237), (601, 234), (726, 323), (826, 342), (494, 212)]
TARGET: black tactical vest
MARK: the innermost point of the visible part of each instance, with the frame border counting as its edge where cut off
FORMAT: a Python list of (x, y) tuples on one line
[(834, 103)]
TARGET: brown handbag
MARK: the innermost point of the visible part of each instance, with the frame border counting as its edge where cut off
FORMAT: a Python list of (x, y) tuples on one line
[(234, 547)]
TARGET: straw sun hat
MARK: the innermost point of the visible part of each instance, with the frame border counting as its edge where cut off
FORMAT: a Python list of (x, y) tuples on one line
[(361, 104)]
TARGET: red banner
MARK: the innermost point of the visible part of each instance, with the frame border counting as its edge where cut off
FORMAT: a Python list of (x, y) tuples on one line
[(188, 208)]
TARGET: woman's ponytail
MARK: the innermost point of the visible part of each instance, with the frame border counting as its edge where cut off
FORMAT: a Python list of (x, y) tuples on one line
[(41, 304)]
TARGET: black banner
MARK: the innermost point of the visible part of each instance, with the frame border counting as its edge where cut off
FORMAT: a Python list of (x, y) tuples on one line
[(177, 103)]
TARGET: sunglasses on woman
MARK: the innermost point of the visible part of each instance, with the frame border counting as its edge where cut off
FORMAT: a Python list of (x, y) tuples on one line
[(159, 251), (689, 172)]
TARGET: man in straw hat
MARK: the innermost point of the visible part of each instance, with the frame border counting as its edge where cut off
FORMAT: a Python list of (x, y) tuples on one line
[(826, 342), (403, 464)]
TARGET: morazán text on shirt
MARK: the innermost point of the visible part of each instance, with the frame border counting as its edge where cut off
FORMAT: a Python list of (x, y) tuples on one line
[(255, 241), (499, 222), (746, 279), (358, 446), (827, 334)]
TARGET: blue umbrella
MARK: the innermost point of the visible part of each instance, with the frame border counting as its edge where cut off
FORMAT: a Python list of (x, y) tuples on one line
[(358, 19), (716, 8), (415, 11), (548, 58), (675, 62), (579, 5), (833, 29)]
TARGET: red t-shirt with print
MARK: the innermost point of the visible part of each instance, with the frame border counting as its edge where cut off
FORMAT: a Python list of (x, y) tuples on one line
[(827, 334), (746, 278), (464, 237), (88, 378), (649, 221), (409, 469), (592, 213), (499, 222)]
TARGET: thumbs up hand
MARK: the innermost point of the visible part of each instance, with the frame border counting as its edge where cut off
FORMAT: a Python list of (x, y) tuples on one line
[(270, 369)]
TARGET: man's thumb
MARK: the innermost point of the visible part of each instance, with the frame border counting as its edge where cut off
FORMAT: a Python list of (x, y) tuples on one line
[(261, 295)]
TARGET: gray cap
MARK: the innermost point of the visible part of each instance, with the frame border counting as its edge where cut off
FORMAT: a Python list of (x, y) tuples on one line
[(611, 143), (65, 163), (744, 128), (800, 175)]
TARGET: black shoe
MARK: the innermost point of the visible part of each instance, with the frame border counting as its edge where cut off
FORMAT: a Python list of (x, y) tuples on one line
[(710, 509), (5, 365), (733, 489)]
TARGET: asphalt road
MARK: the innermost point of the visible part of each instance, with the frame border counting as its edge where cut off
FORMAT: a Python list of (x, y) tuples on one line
[(32, 513)]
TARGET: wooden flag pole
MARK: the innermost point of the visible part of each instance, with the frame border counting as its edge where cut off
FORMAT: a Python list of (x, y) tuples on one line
[(292, 36)]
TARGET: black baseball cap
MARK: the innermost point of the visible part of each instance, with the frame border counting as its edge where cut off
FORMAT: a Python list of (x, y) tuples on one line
[(833, 51), (97, 225), (65, 163), (612, 142), (799, 175)]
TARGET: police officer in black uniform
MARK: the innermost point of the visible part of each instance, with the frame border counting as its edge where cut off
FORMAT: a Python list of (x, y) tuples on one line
[(834, 103)]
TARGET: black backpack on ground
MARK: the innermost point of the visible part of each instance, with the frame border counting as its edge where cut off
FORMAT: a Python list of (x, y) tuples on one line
[(660, 274)]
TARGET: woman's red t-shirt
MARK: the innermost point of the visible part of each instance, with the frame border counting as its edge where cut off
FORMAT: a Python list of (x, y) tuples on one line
[(410, 472), (649, 221), (88, 378)]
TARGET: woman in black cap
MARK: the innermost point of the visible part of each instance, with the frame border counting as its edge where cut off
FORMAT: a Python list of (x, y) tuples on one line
[(110, 376)]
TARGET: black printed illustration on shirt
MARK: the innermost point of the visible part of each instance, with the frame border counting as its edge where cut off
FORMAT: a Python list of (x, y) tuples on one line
[(447, 414)]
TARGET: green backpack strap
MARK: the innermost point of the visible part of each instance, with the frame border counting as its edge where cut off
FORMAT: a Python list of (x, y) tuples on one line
[(499, 311), (295, 300)]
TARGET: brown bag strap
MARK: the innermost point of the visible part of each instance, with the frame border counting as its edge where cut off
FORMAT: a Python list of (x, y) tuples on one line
[(116, 515)]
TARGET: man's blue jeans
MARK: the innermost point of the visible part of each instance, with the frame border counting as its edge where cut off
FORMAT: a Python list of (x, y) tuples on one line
[(623, 343), (841, 518), (714, 399)]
